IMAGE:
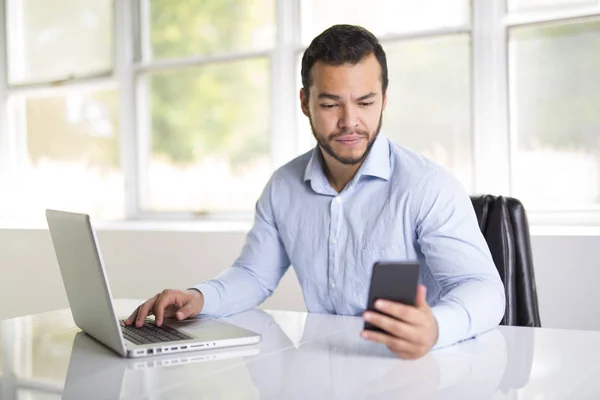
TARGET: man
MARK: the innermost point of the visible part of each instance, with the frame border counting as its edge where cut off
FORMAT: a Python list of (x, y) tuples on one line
[(355, 199)]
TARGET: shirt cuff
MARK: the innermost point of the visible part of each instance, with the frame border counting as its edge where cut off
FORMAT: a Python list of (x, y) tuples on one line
[(453, 324), (212, 299)]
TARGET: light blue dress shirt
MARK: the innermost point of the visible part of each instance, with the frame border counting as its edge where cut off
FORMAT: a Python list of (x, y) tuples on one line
[(398, 206)]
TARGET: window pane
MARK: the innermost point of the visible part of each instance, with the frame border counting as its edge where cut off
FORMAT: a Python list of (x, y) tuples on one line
[(531, 5), (555, 95), (210, 147), (429, 107), (73, 155), (382, 17), (58, 39), (199, 27)]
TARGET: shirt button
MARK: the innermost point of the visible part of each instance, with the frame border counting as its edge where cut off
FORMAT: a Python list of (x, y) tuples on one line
[(338, 199), (333, 284), (333, 241)]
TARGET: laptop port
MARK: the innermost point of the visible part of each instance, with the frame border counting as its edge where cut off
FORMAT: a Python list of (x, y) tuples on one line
[(150, 351), (158, 350), (173, 348), (183, 347)]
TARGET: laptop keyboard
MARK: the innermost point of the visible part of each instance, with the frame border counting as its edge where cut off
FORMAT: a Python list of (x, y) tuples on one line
[(150, 333)]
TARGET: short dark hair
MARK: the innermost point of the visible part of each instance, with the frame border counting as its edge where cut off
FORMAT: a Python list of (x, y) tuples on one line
[(342, 44)]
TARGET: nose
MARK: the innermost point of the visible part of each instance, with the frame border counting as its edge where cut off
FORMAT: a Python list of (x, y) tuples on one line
[(349, 119)]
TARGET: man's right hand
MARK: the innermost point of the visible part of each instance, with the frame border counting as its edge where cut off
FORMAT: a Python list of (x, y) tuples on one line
[(180, 304)]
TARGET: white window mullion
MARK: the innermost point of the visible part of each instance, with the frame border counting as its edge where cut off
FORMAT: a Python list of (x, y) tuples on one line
[(125, 74), (16, 45), (490, 99), (283, 83), (6, 155), (143, 106)]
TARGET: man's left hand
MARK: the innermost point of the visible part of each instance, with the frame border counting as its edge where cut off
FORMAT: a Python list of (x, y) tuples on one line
[(412, 331)]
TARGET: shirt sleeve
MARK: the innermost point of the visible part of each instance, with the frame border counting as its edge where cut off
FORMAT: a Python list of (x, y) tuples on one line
[(256, 272), (456, 254)]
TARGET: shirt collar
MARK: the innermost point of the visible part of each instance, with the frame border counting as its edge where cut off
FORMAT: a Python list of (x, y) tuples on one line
[(376, 164), (315, 173)]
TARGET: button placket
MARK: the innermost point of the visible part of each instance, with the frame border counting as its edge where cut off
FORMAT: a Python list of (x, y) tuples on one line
[(335, 209)]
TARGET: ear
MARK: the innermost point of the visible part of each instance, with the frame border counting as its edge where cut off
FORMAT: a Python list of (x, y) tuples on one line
[(304, 102), (384, 102)]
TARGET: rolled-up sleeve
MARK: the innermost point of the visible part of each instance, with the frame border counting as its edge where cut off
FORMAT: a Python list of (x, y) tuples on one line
[(256, 272), (456, 254)]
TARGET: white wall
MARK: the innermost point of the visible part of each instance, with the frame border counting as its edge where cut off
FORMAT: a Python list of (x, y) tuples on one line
[(141, 262)]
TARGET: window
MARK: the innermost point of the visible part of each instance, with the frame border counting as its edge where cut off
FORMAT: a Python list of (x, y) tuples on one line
[(71, 153), (188, 28), (209, 137), (555, 88), (429, 100), (183, 109), (533, 5), (207, 113), (61, 111), (59, 39), (383, 17)]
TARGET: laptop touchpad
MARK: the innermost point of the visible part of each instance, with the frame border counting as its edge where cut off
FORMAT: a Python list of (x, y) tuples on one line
[(207, 329)]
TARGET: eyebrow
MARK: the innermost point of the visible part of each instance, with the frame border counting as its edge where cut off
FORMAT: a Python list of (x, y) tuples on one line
[(336, 97), (366, 96)]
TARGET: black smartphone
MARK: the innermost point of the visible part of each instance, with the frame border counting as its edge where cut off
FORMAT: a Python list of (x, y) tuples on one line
[(394, 281)]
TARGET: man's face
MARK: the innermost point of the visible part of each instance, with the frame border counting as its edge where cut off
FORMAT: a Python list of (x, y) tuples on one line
[(345, 108)]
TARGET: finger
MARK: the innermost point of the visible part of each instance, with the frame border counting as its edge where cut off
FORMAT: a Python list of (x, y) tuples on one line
[(392, 326), (403, 312), (167, 298), (144, 310), (421, 298), (378, 337), (184, 312), (407, 351), (132, 317)]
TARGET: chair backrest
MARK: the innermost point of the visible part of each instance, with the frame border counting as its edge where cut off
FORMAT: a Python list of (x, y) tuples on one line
[(504, 225)]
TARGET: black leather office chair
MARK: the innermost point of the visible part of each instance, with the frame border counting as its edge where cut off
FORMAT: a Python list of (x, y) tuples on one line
[(504, 225)]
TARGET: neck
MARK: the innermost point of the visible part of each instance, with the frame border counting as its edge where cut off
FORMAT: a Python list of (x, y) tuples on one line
[(338, 174)]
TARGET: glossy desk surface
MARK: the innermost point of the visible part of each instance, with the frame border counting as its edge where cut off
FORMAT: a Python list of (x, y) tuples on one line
[(301, 356)]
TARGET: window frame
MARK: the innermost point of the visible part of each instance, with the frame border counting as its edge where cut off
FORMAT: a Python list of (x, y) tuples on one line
[(588, 216), (13, 140), (493, 141)]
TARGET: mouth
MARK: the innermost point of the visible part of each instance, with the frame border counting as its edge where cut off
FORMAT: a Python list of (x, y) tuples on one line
[(349, 140)]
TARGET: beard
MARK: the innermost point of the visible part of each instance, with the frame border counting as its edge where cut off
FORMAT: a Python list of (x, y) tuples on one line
[(325, 142)]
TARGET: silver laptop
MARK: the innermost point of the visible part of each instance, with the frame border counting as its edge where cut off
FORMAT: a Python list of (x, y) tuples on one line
[(91, 303)]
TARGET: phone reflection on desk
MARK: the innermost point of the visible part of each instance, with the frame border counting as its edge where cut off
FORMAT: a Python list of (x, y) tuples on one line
[(342, 365)]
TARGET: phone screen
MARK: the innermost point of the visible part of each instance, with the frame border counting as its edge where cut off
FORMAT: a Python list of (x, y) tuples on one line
[(394, 281)]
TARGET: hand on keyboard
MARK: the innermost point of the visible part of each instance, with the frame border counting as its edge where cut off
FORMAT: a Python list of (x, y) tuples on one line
[(150, 333), (180, 304)]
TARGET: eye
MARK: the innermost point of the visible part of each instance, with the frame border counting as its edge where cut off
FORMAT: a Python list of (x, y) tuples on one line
[(366, 104), (328, 105)]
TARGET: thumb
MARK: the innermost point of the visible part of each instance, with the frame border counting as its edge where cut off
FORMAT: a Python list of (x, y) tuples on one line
[(421, 299), (184, 312)]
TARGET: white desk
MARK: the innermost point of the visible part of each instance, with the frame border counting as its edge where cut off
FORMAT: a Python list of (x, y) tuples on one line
[(301, 356)]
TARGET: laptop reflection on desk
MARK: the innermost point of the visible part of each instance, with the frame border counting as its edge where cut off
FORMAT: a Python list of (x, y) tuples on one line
[(95, 372)]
